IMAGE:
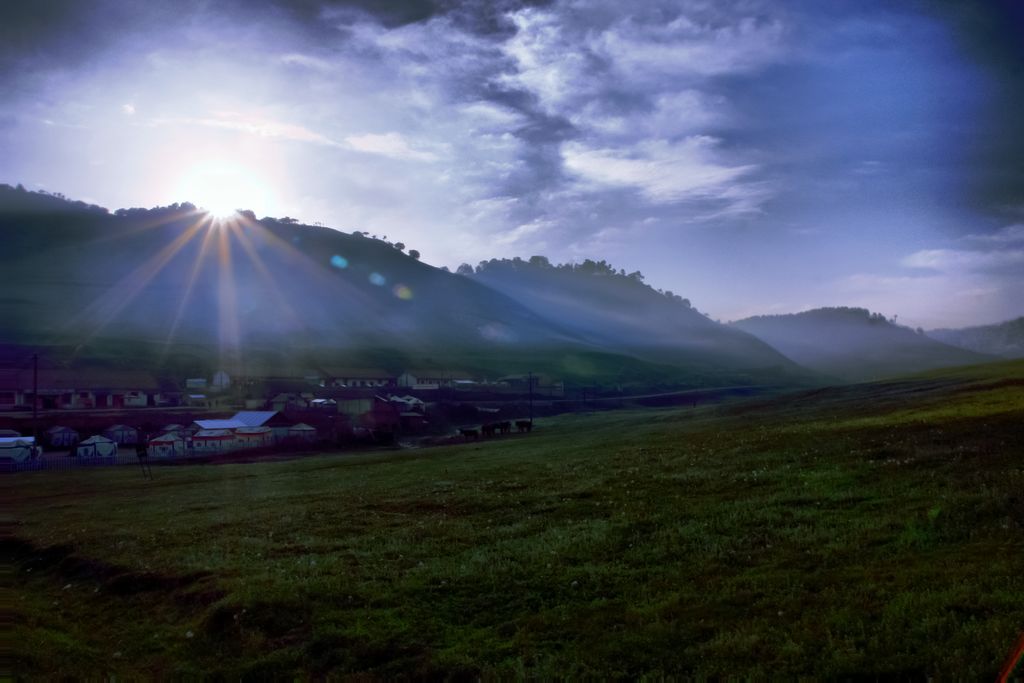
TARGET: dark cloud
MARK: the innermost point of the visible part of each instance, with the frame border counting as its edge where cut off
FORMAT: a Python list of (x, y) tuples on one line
[(47, 33), (992, 34)]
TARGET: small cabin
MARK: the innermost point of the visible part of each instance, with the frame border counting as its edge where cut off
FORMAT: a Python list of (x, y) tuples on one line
[(61, 437), (18, 449), (122, 435), (170, 445), (254, 437), (213, 441), (302, 433), (96, 447)]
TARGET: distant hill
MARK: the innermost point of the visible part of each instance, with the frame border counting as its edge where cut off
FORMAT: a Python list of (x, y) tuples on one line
[(610, 308), (854, 344), (169, 287), (1003, 339)]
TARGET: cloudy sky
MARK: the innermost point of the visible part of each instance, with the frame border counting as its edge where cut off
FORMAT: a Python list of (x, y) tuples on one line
[(756, 156)]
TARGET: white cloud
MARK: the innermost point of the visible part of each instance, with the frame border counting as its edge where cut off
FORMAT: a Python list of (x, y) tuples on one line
[(548, 64), (306, 61), (128, 109), (672, 114), (963, 259), (686, 46), (487, 116), (524, 230), (392, 145), (662, 171), (253, 125)]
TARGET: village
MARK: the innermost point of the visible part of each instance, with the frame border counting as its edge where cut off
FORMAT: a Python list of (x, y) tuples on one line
[(101, 416)]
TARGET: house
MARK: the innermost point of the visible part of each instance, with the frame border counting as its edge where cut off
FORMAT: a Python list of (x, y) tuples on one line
[(11, 389), (196, 384), (169, 445), (14, 449), (284, 401), (64, 389), (426, 380), (408, 403), (229, 423), (382, 415), (360, 378), (131, 398), (221, 381), (96, 447), (302, 433), (277, 422), (326, 405), (374, 412), (406, 379), (254, 437), (175, 428), (198, 401), (168, 394), (61, 437), (355, 407), (213, 441), (412, 421), (123, 435)]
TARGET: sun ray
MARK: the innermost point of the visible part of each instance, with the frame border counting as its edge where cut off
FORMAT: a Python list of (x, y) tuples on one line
[(108, 305), (150, 224), (193, 277), (321, 271), (265, 275), (227, 305)]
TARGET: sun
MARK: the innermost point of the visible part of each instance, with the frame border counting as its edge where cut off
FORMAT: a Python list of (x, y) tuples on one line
[(223, 188)]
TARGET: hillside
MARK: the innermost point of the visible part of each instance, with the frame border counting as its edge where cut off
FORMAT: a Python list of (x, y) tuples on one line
[(262, 295), (872, 532), (609, 307), (853, 344), (1003, 339)]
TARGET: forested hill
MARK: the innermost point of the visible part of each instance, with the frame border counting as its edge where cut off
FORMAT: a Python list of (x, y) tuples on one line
[(609, 306), (285, 295), (855, 344), (1002, 339)]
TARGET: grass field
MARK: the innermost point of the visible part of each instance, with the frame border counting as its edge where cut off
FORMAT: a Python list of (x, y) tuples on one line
[(871, 530)]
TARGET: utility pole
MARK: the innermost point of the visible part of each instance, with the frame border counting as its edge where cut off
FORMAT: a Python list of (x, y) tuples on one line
[(529, 376), (35, 397)]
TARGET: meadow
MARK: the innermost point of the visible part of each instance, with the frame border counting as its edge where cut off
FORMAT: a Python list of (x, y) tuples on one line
[(867, 530)]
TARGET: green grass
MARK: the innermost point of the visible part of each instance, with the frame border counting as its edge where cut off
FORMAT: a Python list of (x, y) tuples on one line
[(871, 530)]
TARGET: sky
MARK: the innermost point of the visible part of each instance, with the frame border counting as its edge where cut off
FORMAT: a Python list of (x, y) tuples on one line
[(754, 156)]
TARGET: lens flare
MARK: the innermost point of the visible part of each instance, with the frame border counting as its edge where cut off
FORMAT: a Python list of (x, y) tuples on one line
[(402, 292), (378, 279)]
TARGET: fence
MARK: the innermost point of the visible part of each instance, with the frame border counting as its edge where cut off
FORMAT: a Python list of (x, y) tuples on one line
[(63, 461), (127, 456)]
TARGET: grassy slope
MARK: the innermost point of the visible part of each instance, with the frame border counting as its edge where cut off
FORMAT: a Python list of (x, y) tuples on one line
[(874, 529)]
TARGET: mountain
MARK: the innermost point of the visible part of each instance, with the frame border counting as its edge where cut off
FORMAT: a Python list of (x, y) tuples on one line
[(172, 287), (1003, 339), (854, 344)]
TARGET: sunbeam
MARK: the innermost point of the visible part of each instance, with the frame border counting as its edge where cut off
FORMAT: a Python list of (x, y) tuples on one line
[(265, 275), (321, 271), (189, 286), (105, 308), (229, 337)]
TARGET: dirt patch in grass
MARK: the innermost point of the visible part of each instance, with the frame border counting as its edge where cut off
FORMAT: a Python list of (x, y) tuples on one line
[(61, 563)]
